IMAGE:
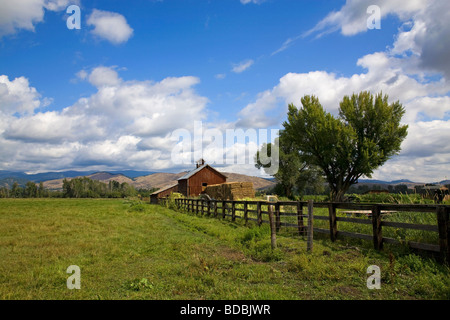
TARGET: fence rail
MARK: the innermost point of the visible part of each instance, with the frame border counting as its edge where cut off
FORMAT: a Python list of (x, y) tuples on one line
[(294, 211)]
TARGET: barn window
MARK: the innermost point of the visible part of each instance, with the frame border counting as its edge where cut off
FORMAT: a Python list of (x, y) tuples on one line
[(204, 184)]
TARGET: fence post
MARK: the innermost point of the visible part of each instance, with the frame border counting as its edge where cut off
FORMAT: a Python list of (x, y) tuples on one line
[(246, 212), (443, 220), (376, 225), (277, 216), (208, 207), (301, 227), (215, 208), (202, 202), (233, 211), (333, 221), (258, 213), (273, 232), (309, 246), (223, 209)]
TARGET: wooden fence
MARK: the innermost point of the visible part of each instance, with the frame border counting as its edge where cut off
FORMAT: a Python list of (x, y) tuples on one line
[(294, 209)]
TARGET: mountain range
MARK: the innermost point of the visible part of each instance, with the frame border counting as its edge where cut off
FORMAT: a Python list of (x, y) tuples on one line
[(138, 179), (149, 180)]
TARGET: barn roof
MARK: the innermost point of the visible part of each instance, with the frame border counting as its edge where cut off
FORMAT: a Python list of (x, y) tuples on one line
[(165, 188), (191, 173)]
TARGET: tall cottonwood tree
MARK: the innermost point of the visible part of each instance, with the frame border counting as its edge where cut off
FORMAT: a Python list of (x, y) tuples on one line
[(363, 137)]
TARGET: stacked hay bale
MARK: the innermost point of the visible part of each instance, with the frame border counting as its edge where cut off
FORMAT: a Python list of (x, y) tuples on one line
[(231, 191)]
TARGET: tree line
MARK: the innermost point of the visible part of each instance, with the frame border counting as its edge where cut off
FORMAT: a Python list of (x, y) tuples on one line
[(82, 187)]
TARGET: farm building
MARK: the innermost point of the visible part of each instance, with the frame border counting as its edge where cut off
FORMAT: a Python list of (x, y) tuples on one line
[(163, 193), (194, 182)]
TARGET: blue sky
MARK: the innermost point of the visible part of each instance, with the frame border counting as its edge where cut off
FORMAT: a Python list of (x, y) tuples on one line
[(108, 96)]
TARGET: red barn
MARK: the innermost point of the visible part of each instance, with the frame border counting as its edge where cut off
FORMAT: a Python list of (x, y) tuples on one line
[(194, 183), (163, 193)]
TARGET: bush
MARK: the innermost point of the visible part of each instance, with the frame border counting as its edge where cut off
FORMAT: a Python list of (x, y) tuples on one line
[(170, 203)]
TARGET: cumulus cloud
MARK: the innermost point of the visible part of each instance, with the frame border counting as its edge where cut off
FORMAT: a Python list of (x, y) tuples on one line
[(123, 124), (384, 73), (423, 33), (102, 77), (110, 26), (25, 14), (17, 96), (427, 37)]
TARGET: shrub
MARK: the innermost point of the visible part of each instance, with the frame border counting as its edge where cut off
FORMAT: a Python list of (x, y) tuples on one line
[(170, 203)]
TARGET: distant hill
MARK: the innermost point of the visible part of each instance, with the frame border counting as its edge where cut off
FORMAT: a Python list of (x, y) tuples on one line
[(45, 176), (158, 180), (38, 177), (385, 184), (99, 176), (149, 180), (8, 182), (258, 183), (402, 181)]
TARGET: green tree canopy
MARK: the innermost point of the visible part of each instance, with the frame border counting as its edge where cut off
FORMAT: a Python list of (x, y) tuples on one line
[(363, 137), (293, 173)]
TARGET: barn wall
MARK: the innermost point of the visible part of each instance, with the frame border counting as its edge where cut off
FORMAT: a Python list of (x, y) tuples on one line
[(207, 175), (182, 187), (168, 192), (163, 194)]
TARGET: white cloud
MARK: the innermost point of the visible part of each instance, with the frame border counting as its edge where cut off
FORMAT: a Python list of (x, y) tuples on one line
[(352, 17), (252, 1), (102, 76), (82, 74), (17, 96), (427, 37), (220, 76), (110, 26), (53, 127), (25, 14), (384, 73), (423, 33), (242, 66), (125, 124)]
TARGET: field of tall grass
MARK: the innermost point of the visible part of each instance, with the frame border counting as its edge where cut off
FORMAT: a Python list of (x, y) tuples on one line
[(134, 250)]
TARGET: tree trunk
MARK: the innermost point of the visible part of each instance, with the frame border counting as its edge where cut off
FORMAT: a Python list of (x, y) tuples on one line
[(338, 195)]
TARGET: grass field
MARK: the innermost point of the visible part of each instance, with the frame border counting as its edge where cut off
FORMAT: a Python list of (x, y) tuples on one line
[(137, 251)]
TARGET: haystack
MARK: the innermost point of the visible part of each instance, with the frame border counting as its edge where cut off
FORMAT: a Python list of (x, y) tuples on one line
[(231, 191)]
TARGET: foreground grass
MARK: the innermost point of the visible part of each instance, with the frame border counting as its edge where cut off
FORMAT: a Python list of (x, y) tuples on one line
[(149, 252)]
